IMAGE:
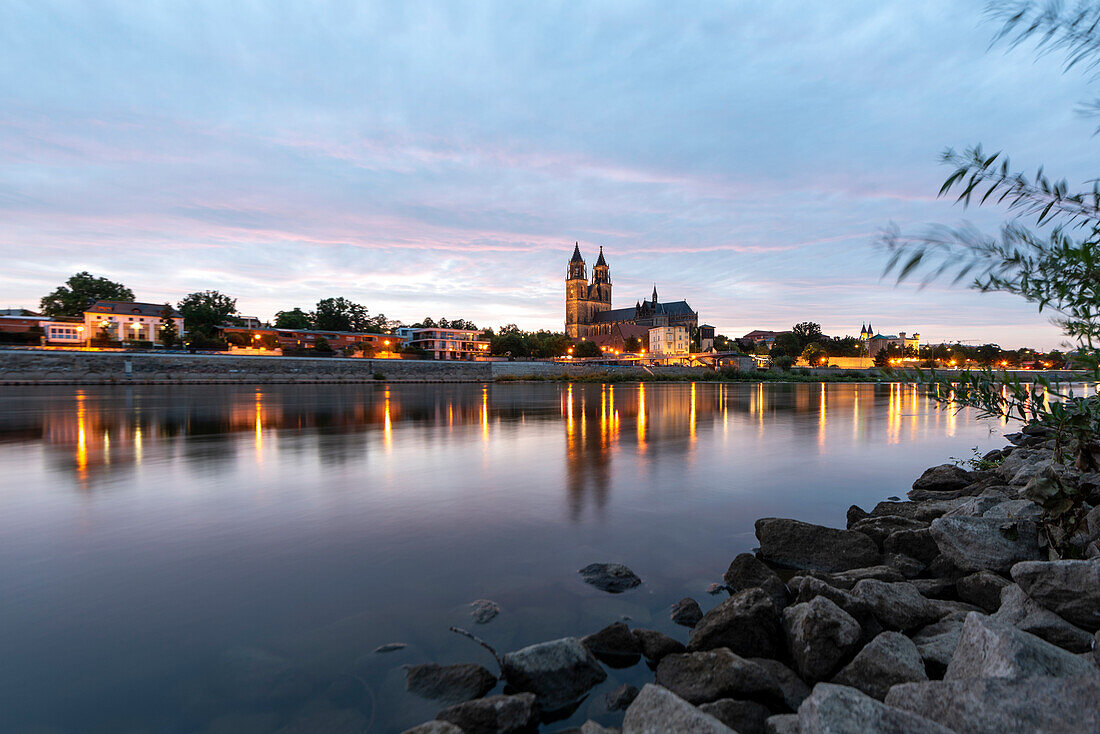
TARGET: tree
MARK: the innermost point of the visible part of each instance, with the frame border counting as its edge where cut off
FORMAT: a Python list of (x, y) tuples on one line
[(813, 354), (81, 291), (295, 318), (339, 314), (632, 344), (787, 344), (807, 332), (586, 348), (882, 358), (169, 334), (205, 311), (322, 346)]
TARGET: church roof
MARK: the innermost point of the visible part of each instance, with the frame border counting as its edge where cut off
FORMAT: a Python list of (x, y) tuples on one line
[(673, 308), (576, 253), (616, 314), (599, 260)]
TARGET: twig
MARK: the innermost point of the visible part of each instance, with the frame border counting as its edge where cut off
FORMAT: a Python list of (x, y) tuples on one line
[(484, 644)]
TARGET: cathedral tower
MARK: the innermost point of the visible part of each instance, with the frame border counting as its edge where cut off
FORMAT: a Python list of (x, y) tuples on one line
[(576, 296)]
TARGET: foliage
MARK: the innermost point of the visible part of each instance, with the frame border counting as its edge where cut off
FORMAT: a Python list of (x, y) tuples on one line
[(169, 334), (340, 314), (205, 311), (511, 341), (632, 344), (201, 341), (586, 349), (978, 461), (444, 323), (813, 353), (321, 345), (81, 291), (786, 344), (882, 358), (807, 332), (295, 318), (783, 362), (413, 351)]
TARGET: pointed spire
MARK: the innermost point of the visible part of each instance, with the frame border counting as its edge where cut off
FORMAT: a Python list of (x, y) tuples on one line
[(870, 331), (600, 261), (654, 292), (576, 253)]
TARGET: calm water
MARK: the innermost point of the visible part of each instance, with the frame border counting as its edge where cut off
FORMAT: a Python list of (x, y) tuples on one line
[(150, 534)]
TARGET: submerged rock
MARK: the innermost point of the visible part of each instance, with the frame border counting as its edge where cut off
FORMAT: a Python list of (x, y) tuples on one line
[(620, 698), (889, 659), (655, 645), (746, 623), (658, 710), (434, 727), (795, 544), (819, 635), (1070, 589), (613, 578), (701, 677), (390, 647), (990, 648), (833, 709), (484, 611), (494, 715), (686, 612), (449, 683), (558, 672)]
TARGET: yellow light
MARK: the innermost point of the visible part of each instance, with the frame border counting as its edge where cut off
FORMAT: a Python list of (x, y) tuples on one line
[(80, 328), (386, 342)]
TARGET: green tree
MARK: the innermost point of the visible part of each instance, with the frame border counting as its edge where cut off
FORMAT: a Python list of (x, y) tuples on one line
[(81, 291), (204, 312), (807, 332), (813, 354), (295, 318), (585, 348), (632, 344), (169, 334), (786, 344), (322, 346), (339, 314)]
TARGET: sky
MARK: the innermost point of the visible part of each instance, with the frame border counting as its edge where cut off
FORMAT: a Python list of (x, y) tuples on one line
[(442, 158)]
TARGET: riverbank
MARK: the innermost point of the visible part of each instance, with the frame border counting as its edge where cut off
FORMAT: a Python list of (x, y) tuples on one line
[(935, 614)]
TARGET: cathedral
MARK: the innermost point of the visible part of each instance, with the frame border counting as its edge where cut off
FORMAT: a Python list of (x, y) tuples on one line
[(588, 309)]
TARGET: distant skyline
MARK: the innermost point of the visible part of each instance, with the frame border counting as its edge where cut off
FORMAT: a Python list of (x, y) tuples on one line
[(440, 159)]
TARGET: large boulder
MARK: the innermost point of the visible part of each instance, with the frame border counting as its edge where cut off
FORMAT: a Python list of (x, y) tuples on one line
[(747, 623), (833, 709), (744, 717), (655, 645), (982, 589), (917, 543), (1000, 705), (848, 579), (937, 642), (701, 677), (926, 511), (493, 715), (887, 660), (613, 578), (614, 644), (982, 543), (808, 587), (1024, 613), (794, 544), (880, 528), (558, 672), (657, 710), (449, 683), (782, 724), (990, 648), (944, 477), (820, 635), (1071, 589), (897, 606), (747, 571), (686, 612), (794, 689)]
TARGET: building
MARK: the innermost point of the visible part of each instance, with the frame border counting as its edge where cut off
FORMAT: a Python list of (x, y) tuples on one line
[(618, 341), (669, 341), (440, 343), (129, 321), (706, 338), (588, 311), (382, 345), (874, 343), (759, 336), (64, 333)]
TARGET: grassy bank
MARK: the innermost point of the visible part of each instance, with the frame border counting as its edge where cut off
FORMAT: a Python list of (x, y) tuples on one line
[(723, 376)]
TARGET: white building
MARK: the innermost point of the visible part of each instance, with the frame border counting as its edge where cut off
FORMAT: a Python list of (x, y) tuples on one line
[(128, 321), (667, 342), (442, 343)]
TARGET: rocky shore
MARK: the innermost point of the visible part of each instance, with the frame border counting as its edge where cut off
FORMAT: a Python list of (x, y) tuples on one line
[(937, 614)]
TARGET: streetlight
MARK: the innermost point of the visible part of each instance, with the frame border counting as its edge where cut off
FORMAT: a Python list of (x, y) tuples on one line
[(80, 330)]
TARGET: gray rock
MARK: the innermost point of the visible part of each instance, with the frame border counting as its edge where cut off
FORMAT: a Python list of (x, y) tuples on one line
[(591, 727), (558, 672), (256, 676), (702, 677), (686, 612), (934, 588), (746, 623), (990, 648), (620, 698), (982, 589), (613, 578), (614, 643), (658, 710), (943, 478), (655, 645), (1024, 613), (917, 544), (898, 606), (981, 543), (744, 717), (434, 727), (494, 714), (1020, 458), (879, 528), (794, 544), (1026, 473), (794, 689), (889, 659), (484, 611), (747, 571), (906, 566), (833, 709), (978, 506), (848, 579), (926, 511), (937, 642), (1070, 589), (782, 724), (1000, 705), (390, 647), (449, 683), (808, 587), (1025, 509), (819, 636), (855, 514), (332, 721)]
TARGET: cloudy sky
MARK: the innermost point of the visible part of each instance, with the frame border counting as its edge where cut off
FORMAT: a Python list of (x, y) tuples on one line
[(442, 158)]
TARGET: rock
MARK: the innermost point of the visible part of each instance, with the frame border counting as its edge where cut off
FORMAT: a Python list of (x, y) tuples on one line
[(999, 705), (879, 528), (686, 612), (943, 478), (855, 514), (936, 643), (898, 606), (833, 709), (613, 578), (484, 611), (980, 543), (449, 683), (808, 587), (1020, 458), (1070, 589), (794, 689), (819, 636), (390, 647), (934, 588), (621, 697), (848, 579), (794, 544), (950, 607), (434, 727), (744, 717), (1026, 474), (701, 677), (591, 727), (655, 645), (981, 504), (943, 567), (558, 672), (332, 721), (982, 589), (917, 544), (658, 710), (1024, 613), (889, 659), (494, 714), (926, 511), (1023, 509), (782, 724), (256, 676), (747, 571), (990, 648), (746, 623), (614, 644), (908, 567)]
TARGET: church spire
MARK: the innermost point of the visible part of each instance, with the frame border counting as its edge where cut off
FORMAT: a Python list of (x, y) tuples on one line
[(655, 293), (600, 261), (577, 253)]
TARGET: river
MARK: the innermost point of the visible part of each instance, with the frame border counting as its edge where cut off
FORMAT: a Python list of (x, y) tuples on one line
[(153, 537)]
